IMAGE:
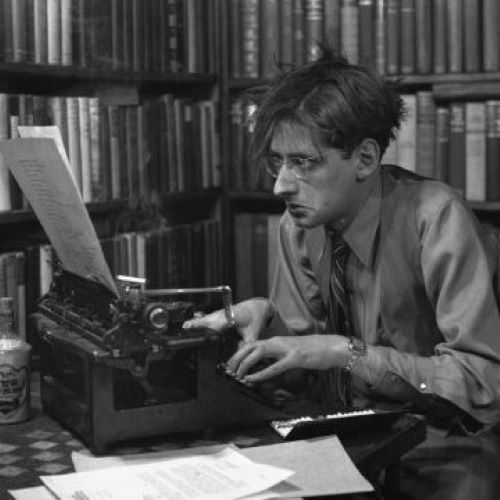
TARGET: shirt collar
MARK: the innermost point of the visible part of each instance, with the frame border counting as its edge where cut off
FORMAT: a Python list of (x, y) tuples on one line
[(361, 233)]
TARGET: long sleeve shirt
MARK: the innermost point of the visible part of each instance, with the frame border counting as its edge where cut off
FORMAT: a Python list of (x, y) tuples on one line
[(420, 281)]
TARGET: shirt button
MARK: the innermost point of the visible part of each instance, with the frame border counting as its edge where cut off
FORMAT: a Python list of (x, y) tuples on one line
[(423, 386), (394, 378)]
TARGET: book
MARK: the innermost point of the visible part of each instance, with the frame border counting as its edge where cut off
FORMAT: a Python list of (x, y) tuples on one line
[(251, 36), (472, 36), (426, 134), (424, 19), (393, 46), (67, 33), (492, 150), (367, 41), (475, 151), (5, 181), (40, 31), (490, 35), (74, 143), (6, 13), (54, 31), (380, 37), (442, 142), (331, 24), (408, 36), (285, 18), (298, 19), (114, 151), (313, 24), (407, 137), (455, 27), (456, 165), (84, 136), (19, 30), (269, 38), (243, 255), (235, 37), (349, 29)]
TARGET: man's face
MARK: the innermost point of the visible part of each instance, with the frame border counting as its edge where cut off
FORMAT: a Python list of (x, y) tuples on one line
[(323, 193)]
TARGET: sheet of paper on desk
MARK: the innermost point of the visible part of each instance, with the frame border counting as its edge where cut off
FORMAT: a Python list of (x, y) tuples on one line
[(43, 175), (225, 475), (321, 466)]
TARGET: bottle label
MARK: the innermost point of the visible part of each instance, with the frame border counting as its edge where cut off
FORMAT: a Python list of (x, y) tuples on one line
[(13, 393)]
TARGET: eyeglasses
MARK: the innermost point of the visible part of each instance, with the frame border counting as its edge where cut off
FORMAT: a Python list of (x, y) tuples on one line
[(300, 166)]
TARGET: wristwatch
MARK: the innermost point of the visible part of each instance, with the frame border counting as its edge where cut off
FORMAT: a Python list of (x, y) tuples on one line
[(357, 349)]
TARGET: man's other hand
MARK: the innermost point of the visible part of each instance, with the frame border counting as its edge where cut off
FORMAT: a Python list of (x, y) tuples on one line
[(251, 317)]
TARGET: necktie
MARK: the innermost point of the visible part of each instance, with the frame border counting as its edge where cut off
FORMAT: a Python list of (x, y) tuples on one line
[(338, 383)]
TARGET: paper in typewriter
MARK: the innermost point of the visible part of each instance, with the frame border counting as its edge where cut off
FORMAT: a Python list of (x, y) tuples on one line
[(45, 178)]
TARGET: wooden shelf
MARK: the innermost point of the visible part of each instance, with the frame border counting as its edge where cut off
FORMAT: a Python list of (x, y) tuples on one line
[(46, 78), (256, 201), (405, 81), (107, 208)]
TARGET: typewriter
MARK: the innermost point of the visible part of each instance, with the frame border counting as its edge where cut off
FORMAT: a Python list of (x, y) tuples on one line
[(115, 368)]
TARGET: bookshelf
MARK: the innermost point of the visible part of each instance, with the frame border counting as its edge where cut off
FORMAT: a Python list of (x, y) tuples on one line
[(443, 55), (134, 87)]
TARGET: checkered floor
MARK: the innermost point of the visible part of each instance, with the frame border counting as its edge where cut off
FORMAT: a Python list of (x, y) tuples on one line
[(36, 447)]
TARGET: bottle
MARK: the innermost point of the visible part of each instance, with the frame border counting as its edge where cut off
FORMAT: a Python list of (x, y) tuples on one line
[(14, 368)]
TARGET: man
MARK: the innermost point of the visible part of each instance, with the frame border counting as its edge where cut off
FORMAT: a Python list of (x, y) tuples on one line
[(405, 312)]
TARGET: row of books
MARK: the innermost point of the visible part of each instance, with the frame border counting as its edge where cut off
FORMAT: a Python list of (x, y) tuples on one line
[(458, 143), (164, 145), (170, 257), (255, 247), (134, 35), (391, 36)]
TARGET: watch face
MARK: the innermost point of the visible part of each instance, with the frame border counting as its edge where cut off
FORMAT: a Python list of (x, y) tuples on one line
[(357, 346)]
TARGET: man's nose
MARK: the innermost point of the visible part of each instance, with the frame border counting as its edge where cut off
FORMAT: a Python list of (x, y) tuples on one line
[(286, 182)]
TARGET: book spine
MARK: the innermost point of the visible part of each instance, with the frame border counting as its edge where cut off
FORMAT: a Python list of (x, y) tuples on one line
[(424, 17), (251, 34), (7, 29), (426, 134), (84, 135), (235, 37), (5, 199), (96, 178), (408, 36), (331, 24), (74, 140), (313, 28), (475, 151), (472, 36), (493, 150), (442, 143), (491, 40), (349, 19), (407, 147), (380, 37), (456, 166), (40, 31), (392, 36), (367, 40), (298, 32), (18, 20), (54, 31), (269, 38), (439, 36), (286, 31), (66, 33), (455, 19)]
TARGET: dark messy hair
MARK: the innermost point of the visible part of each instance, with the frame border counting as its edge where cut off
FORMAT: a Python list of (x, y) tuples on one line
[(340, 103)]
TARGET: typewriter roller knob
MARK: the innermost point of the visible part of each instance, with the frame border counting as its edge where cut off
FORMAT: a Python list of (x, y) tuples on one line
[(156, 314)]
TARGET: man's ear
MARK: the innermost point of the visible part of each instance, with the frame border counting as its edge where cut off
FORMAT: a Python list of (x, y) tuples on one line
[(368, 153)]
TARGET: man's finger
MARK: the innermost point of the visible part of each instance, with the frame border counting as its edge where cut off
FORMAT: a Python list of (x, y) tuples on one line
[(270, 371)]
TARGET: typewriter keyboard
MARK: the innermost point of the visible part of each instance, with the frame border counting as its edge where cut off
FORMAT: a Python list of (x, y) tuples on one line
[(341, 423)]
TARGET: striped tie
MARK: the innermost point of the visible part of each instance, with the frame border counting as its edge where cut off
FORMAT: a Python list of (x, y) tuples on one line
[(338, 383)]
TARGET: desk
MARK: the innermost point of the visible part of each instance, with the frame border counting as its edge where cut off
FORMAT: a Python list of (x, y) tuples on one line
[(40, 446)]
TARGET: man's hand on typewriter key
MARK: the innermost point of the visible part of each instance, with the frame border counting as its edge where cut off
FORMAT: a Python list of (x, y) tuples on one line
[(310, 352), (251, 317)]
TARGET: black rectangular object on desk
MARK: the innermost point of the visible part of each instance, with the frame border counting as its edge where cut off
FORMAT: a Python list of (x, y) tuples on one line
[(342, 423)]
